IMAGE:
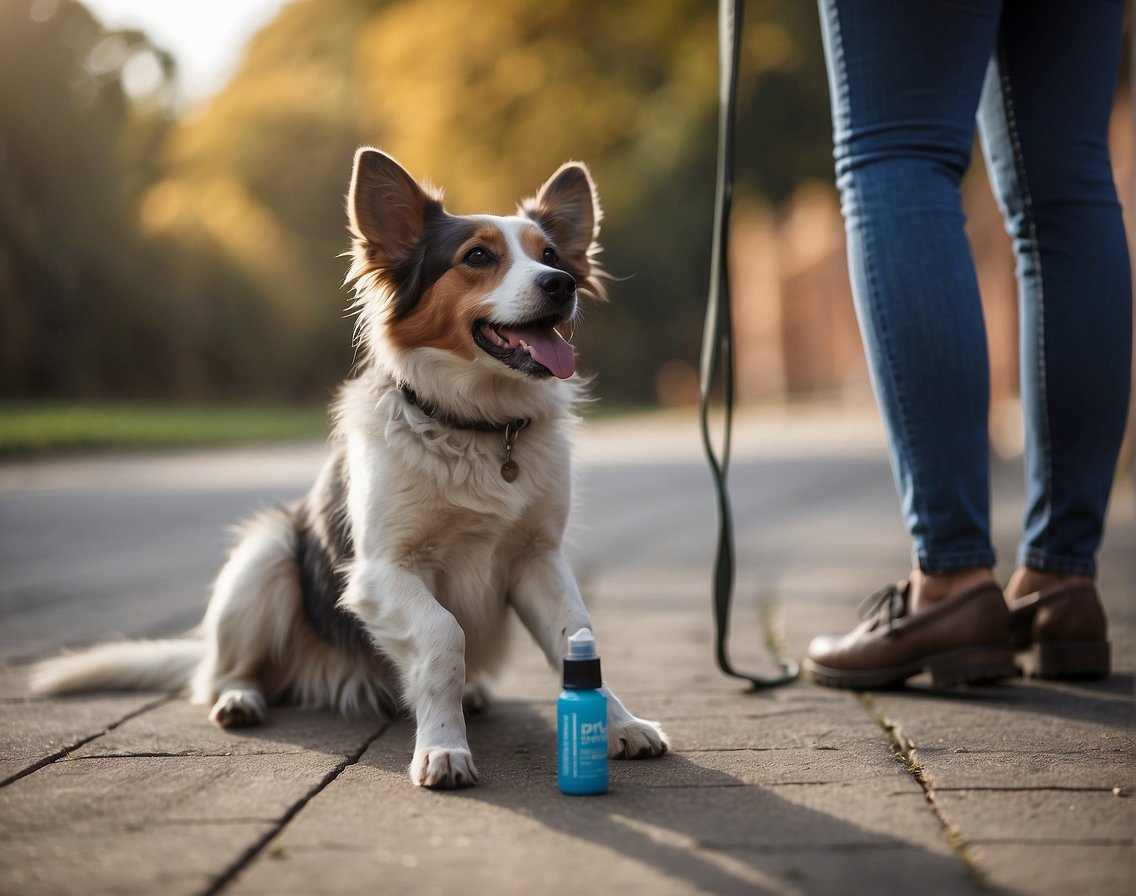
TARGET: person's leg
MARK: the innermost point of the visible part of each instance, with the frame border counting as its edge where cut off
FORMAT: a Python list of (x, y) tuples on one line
[(1044, 122), (905, 80)]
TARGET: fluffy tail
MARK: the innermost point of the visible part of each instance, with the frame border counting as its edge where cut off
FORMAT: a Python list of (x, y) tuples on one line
[(124, 666)]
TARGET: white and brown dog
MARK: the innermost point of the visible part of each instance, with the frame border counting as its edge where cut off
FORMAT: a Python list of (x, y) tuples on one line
[(444, 500)]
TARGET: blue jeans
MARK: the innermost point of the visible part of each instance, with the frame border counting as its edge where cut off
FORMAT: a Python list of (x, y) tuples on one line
[(907, 79)]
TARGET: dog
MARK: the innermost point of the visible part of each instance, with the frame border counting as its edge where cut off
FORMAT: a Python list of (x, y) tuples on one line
[(444, 499)]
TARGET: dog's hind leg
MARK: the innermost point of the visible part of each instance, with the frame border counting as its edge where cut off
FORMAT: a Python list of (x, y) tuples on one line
[(476, 697), (251, 612)]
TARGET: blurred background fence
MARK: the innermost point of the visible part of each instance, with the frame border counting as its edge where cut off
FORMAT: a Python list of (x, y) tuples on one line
[(154, 249)]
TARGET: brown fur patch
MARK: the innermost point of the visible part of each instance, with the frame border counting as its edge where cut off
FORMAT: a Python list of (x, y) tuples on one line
[(443, 317), (534, 242)]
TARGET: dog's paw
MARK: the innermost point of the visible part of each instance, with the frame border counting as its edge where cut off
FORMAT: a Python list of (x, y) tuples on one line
[(636, 739), (475, 698), (443, 768), (238, 708)]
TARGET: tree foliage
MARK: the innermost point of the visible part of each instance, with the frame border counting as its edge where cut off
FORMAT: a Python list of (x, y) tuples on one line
[(199, 256), (69, 261)]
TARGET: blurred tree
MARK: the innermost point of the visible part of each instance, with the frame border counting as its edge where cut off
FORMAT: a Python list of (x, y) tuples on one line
[(220, 248), (71, 310), (255, 184)]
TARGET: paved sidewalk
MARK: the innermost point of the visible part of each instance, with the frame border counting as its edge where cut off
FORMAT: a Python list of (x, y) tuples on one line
[(1026, 788)]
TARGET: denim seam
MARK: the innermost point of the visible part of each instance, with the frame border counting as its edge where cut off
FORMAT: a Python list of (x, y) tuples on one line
[(841, 67), (1075, 566), (951, 562), (905, 434), (1035, 252)]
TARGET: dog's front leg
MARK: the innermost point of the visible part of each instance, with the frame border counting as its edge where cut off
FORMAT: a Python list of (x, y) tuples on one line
[(548, 602), (427, 645)]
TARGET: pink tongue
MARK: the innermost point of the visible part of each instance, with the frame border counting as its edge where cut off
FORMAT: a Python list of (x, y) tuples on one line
[(548, 348)]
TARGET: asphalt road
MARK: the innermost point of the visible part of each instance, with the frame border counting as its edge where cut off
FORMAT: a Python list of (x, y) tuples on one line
[(100, 546)]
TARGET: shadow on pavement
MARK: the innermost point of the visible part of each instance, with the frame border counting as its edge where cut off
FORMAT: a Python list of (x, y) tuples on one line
[(674, 818)]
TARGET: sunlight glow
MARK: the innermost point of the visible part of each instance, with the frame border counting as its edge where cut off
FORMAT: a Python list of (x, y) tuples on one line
[(206, 37)]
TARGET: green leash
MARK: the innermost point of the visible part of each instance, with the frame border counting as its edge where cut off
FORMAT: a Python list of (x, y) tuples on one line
[(717, 343)]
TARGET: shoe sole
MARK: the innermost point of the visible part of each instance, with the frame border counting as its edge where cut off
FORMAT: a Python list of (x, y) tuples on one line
[(1067, 660), (952, 668)]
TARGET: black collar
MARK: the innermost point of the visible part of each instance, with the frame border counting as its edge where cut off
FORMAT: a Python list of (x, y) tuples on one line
[(433, 412)]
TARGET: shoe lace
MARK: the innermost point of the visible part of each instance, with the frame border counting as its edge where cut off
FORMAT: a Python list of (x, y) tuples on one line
[(885, 605)]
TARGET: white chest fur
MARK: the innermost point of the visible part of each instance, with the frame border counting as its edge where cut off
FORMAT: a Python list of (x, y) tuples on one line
[(430, 499)]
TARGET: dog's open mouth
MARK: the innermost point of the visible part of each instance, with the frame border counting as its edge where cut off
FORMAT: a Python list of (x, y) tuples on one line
[(534, 348)]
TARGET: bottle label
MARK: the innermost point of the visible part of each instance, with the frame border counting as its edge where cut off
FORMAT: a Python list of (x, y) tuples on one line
[(585, 748)]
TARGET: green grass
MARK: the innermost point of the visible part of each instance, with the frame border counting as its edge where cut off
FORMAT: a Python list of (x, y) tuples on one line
[(29, 429)]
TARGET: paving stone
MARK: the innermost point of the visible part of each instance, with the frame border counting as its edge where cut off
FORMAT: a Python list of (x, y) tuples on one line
[(1042, 816), (169, 783), (127, 793), (169, 858), (954, 769), (716, 835), (517, 739), (1026, 735), (146, 823), (1059, 868), (1020, 716), (792, 718), (34, 730), (181, 728)]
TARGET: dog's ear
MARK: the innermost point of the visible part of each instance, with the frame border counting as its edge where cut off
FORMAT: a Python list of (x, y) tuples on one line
[(387, 210), (567, 208)]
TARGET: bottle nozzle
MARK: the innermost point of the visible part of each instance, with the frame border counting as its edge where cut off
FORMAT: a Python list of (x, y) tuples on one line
[(582, 645), (582, 663)]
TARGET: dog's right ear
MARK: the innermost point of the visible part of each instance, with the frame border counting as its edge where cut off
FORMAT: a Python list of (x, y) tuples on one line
[(387, 210)]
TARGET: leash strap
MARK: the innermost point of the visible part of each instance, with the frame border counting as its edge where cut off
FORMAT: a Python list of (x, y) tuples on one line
[(718, 346)]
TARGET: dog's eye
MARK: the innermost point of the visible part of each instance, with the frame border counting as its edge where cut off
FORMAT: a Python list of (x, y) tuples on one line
[(477, 257), (551, 258)]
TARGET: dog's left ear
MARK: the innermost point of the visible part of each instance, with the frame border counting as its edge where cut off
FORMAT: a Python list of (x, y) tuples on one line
[(567, 208)]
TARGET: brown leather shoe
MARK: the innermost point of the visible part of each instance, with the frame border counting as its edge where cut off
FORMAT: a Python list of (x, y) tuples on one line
[(963, 640), (1062, 633)]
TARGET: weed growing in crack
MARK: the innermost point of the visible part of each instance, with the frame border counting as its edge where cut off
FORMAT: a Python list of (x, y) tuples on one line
[(903, 748)]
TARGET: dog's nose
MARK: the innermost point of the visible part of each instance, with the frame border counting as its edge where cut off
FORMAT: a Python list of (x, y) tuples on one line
[(557, 285)]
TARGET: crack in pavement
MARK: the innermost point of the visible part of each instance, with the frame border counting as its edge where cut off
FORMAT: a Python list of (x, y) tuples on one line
[(1052, 841), (249, 855), (904, 750), (792, 748), (65, 752), (1040, 788), (185, 755)]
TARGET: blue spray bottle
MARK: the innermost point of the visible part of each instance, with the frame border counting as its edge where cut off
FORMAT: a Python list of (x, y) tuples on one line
[(581, 720)]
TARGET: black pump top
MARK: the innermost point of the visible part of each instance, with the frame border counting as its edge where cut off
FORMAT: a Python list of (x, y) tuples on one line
[(582, 664)]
